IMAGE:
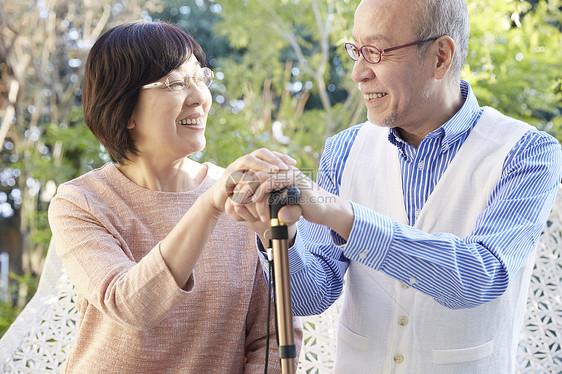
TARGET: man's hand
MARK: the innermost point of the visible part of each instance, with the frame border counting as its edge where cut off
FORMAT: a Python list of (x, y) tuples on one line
[(315, 205), (240, 183)]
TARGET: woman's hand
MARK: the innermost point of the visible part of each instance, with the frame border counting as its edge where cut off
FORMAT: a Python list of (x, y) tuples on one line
[(242, 180)]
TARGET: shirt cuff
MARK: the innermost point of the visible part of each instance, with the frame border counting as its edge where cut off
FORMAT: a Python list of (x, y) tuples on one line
[(296, 255), (262, 254), (297, 259), (370, 237)]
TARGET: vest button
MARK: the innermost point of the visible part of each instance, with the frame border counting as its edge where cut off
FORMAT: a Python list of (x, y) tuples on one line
[(398, 358), (404, 285), (403, 321)]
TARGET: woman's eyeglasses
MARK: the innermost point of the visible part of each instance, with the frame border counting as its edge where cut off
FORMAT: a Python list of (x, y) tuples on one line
[(176, 83)]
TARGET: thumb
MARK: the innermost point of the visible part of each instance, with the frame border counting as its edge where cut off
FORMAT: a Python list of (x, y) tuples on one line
[(290, 214)]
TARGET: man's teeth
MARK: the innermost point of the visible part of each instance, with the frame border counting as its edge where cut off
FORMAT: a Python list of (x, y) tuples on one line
[(377, 95), (192, 121)]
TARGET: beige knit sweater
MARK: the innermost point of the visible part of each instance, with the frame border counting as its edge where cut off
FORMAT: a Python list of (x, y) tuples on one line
[(133, 316)]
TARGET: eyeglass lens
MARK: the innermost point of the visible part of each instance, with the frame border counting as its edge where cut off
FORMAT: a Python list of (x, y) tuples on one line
[(370, 53), (203, 77)]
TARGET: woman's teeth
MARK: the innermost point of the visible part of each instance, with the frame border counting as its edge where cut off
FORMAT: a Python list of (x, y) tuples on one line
[(192, 121), (377, 95)]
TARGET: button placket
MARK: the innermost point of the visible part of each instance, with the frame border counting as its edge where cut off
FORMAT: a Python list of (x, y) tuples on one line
[(402, 326)]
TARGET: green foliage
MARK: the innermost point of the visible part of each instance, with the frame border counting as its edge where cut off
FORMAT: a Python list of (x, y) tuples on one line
[(9, 311), (28, 280), (514, 62), (69, 151), (64, 152), (285, 83), (8, 314), (82, 151), (197, 18)]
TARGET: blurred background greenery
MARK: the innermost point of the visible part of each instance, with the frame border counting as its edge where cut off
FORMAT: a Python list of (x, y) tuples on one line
[(282, 82)]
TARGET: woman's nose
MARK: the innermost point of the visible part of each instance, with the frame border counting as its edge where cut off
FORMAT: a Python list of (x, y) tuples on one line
[(197, 94)]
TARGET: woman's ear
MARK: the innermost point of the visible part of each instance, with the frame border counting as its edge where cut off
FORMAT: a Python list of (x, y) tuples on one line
[(445, 50), (131, 125)]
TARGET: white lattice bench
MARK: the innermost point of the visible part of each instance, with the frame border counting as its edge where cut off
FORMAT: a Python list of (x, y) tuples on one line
[(39, 339)]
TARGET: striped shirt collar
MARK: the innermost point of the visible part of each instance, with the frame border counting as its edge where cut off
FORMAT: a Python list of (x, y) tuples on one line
[(455, 128)]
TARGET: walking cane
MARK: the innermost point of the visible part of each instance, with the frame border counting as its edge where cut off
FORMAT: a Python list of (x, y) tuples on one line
[(282, 285)]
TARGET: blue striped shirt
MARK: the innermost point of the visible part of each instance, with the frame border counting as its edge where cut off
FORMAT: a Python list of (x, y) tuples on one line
[(457, 272)]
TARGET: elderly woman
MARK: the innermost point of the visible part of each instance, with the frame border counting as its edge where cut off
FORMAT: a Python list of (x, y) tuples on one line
[(166, 283)]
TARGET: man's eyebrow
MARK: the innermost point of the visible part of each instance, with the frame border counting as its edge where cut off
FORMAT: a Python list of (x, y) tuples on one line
[(373, 39)]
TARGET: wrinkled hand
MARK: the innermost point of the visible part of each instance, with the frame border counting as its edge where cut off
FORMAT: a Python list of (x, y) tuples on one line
[(315, 204), (248, 201), (248, 194), (241, 180), (256, 208)]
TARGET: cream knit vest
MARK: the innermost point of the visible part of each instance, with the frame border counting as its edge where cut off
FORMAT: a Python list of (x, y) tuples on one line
[(389, 327)]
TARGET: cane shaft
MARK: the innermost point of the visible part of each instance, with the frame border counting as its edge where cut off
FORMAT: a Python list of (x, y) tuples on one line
[(287, 349), (280, 249)]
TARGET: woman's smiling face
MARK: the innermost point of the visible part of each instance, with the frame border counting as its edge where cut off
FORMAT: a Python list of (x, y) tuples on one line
[(172, 124)]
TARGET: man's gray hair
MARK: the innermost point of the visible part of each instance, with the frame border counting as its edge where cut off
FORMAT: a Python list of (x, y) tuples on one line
[(445, 17)]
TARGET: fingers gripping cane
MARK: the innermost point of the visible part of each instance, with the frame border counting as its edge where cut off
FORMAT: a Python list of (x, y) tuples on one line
[(282, 285)]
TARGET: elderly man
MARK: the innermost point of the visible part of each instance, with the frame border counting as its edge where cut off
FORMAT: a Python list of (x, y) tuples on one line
[(435, 206)]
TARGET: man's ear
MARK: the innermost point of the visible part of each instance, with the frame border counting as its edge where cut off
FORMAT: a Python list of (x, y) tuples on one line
[(444, 48)]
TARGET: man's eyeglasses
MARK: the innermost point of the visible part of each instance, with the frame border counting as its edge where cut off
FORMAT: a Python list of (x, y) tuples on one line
[(176, 83), (372, 54)]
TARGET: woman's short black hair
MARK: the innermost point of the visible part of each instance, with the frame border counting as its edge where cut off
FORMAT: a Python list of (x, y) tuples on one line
[(120, 62)]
